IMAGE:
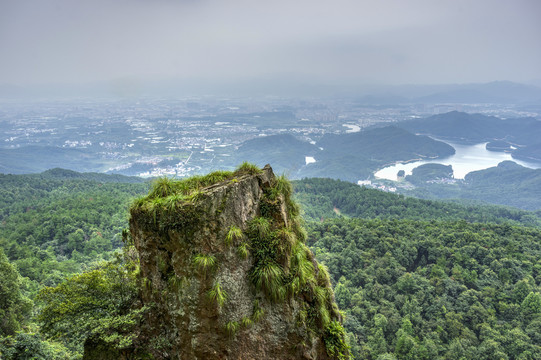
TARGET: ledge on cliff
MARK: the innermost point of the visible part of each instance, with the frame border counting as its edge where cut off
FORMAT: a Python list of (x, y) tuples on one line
[(226, 273)]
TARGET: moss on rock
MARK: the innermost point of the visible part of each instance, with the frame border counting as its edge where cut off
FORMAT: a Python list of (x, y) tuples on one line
[(227, 272)]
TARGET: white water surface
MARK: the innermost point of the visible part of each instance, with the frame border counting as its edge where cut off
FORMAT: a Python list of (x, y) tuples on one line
[(467, 158), (309, 160), (352, 128)]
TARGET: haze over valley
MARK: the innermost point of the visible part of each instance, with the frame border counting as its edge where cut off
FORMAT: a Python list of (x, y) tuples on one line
[(399, 219)]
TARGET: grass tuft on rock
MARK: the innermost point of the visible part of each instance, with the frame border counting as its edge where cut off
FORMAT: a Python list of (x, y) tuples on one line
[(248, 168), (216, 293), (231, 328), (204, 263), (233, 235)]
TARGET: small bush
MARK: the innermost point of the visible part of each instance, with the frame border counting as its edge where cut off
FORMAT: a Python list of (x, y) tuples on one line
[(323, 278), (334, 337), (162, 187), (288, 239), (282, 186)]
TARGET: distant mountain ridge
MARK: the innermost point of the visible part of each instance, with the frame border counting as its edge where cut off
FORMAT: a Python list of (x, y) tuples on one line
[(498, 92), (520, 136), (350, 157)]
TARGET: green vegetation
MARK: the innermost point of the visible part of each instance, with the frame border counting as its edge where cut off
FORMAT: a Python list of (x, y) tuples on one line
[(246, 322), (430, 172), (285, 152), (29, 345), (334, 340), (231, 328), (243, 250), (98, 305), (217, 294), (233, 235), (14, 306), (417, 279), (319, 198), (248, 168), (258, 312), (56, 223), (434, 289), (357, 155), (204, 263), (167, 195), (268, 277), (283, 266), (477, 128), (506, 184), (345, 156)]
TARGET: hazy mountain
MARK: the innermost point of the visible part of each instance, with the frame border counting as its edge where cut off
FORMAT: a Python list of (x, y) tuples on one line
[(387, 144), (475, 128), (31, 159), (506, 92), (285, 152)]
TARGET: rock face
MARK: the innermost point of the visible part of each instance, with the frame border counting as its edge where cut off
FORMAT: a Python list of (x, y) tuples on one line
[(226, 273)]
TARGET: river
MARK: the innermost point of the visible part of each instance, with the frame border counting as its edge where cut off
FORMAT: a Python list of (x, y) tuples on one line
[(467, 158)]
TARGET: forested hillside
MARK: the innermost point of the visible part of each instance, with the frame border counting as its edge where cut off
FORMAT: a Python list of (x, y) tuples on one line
[(435, 290), (328, 198), (417, 279), (55, 223), (507, 184)]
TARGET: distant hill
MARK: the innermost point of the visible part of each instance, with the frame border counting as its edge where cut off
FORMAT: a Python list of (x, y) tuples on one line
[(285, 152), (387, 144), (521, 133), (356, 156), (33, 159), (498, 92), (506, 184), (532, 152), (459, 126), (475, 128), (341, 156), (64, 174), (430, 172), (328, 198)]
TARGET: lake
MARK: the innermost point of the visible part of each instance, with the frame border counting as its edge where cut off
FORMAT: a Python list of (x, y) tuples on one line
[(467, 158)]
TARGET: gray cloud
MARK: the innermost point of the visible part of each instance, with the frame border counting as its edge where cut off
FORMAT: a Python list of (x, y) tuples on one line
[(338, 41)]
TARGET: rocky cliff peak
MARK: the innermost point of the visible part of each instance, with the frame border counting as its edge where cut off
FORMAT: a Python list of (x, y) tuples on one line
[(226, 273)]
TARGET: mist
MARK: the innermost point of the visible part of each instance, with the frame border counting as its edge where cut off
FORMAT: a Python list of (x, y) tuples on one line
[(134, 44)]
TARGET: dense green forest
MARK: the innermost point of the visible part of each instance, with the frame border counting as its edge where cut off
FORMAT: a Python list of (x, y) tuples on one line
[(328, 198), (438, 289), (417, 279), (55, 223)]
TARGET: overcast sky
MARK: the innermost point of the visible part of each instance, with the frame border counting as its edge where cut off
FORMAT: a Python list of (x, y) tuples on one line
[(334, 41)]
